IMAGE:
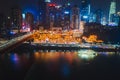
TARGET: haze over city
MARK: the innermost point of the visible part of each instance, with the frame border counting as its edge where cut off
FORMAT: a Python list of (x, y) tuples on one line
[(60, 40)]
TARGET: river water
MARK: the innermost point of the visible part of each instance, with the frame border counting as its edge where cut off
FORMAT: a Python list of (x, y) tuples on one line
[(60, 65)]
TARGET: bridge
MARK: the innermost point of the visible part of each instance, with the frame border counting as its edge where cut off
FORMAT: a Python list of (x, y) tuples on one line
[(15, 42)]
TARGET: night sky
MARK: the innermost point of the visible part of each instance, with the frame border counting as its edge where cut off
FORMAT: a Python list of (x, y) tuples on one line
[(31, 5)]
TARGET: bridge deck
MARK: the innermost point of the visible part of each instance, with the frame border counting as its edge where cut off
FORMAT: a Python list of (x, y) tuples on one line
[(14, 41)]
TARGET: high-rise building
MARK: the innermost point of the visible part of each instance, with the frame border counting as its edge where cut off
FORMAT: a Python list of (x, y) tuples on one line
[(99, 15), (67, 12), (114, 20), (104, 20), (27, 22), (29, 19), (112, 10), (23, 19), (92, 17), (119, 18), (85, 10), (44, 13), (16, 18), (52, 17), (75, 17)]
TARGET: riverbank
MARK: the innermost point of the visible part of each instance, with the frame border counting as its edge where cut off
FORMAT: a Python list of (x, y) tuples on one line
[(28, 47)]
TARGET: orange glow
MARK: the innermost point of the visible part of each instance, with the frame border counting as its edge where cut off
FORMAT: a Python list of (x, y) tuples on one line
[(92, 39), (63, 37), (55, 56), (55, 37), (67, 56)]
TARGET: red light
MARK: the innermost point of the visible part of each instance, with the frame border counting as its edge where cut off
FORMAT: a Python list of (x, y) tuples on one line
[(23, 24), (52, 5)]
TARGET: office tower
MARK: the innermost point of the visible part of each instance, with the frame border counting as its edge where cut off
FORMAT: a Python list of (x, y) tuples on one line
[(119, 18), (115, 20), (66, 9), (92, 17), (23, 19), (75, 17), (104, 20), (29, 19), (99, 15), (85, 10), (52, 15), (82, 25), (112, 10), (44, 13), (16, 18)]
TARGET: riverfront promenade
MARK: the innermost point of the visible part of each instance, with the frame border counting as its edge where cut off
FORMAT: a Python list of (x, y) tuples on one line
[(13, 43)]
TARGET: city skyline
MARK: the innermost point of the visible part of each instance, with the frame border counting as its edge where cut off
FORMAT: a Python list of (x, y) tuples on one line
[(27, 5), (60, 39)]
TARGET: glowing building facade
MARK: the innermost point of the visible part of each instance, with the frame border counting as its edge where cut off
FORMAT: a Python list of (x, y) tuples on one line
[(47, 1), (112, 10), (29, 20), (75, 17), (118, 13), (85, 10)]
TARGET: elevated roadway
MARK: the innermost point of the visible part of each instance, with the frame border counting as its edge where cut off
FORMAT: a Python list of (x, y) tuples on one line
[(15, 42)]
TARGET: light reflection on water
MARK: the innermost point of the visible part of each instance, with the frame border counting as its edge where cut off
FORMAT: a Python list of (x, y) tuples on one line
[(53, 60), (15, 60), (70, 56), (76, 56)]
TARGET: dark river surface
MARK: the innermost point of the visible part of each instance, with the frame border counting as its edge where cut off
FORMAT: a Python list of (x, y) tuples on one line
[(60, 65)]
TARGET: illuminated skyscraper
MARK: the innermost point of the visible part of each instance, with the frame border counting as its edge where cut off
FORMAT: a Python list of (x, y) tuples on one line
[(112, 10), (85, 10), (75, 17), (119, 18), (29, 20), (52, 17)]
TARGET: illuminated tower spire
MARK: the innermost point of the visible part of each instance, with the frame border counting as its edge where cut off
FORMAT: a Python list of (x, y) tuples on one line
[(112, 10)]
